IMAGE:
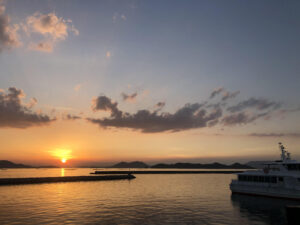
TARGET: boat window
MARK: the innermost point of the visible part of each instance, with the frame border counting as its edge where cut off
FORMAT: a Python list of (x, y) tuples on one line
[(261, 179), (273, 180), (293, 166)]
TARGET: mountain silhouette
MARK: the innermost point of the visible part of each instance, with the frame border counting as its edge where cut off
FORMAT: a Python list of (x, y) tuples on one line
[(9, 164), (135, 164)]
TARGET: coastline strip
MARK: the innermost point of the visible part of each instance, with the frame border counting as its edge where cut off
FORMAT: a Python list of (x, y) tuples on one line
[(168, 172), (40, 180)]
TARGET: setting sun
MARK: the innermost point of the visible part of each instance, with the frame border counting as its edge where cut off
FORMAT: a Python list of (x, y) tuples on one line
[(62, 154)]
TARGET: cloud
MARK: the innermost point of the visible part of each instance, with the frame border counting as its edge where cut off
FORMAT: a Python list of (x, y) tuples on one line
[(71, 117), (14, 113), (187, 117), (129, 98), (256, 103), (228, 95), (8, 33), (293, 135), (108, 54), (33, 102), (52, 29), (48, 24), (237, 118), (118, 16), (42, 46), (216, 92), (160, 105), (243, 118), (77, 87), (123, 17), (105, 104), (49, 27)]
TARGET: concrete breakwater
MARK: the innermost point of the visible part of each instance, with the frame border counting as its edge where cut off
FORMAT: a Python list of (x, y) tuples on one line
[(40, 180), (168, 172)]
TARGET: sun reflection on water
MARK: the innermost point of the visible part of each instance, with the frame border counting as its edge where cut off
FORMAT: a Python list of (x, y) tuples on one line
[(62, 172)]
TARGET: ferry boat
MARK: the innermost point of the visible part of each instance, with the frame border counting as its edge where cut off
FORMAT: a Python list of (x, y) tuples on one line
[(279, 179)]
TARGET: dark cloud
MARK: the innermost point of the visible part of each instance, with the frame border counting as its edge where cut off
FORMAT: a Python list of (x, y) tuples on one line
[(104, 103), (256, 103), (160, 105), (129, 98), (188, 117), (242, 118), (71, 117), (13, 113), (8, 33), (216, 92), (237, 118), (295, 135)]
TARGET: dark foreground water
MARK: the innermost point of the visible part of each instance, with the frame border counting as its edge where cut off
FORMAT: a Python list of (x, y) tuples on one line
[(148, 199)]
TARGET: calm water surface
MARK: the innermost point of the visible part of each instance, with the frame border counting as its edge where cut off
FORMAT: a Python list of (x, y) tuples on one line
[(148, 199)]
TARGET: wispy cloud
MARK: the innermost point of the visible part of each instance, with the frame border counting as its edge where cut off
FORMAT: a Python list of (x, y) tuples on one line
[(108, 54), (118, 16), (228, 95), (159, 105), (46, 46), (292, 135), (256, 103), (216, 92), (77, 87), (71, 117), (128, 97)]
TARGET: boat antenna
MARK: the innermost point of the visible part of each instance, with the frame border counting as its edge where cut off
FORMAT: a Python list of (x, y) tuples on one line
[(285, 155), (281, 148)]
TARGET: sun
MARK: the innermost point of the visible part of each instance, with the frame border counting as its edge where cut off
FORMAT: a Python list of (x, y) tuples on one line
[(61, 154)]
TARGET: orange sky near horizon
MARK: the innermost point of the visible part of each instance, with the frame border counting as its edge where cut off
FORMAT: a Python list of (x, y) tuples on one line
[(88, 144)]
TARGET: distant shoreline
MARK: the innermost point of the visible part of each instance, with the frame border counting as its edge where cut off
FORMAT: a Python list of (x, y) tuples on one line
[(5, 164), (168, 172)]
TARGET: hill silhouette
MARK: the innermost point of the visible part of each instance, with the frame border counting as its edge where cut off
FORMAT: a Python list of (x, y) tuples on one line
[(179, 165), (201, 166), (9, 164), (135, 164)]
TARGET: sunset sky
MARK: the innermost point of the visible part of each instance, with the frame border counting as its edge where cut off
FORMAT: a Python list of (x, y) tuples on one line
[(156, 81)]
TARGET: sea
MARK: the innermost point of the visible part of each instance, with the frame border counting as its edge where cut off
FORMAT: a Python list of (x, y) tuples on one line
[(148, 199)]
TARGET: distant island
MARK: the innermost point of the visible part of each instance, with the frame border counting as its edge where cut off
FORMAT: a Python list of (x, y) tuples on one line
[(5, 164), (201, 166), (138, 164), (135, 164), (9, 164)]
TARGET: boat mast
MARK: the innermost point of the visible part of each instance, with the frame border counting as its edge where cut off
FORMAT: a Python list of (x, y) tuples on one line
[(285, 155), (281, 148)]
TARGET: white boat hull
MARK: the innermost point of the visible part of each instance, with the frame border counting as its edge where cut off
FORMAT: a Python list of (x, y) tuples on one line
[(269, 191)]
